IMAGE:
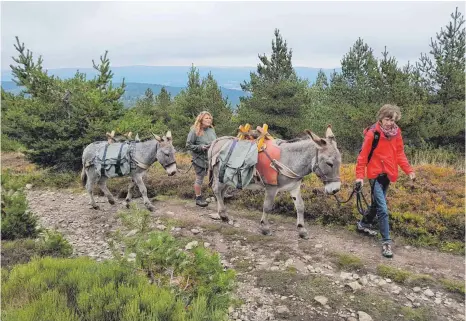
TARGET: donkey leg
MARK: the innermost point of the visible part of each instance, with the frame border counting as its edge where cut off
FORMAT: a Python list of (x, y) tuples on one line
[(142, 188), (103, 186), (267, 208), (219, 195), (91, 177), (299, 205), (129, 196)]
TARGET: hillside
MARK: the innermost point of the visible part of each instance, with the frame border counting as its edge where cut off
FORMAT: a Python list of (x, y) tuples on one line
[(176, 76), (137, 90)]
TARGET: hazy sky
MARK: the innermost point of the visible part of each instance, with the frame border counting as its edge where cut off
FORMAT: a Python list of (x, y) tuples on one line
[(71, 34)]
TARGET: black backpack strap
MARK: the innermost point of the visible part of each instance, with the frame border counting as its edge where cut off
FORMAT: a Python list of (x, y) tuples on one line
[(118, 163), (375, 142), (102, 169)]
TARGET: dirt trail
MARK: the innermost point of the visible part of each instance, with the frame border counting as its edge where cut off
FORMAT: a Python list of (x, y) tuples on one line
[(280, 277)]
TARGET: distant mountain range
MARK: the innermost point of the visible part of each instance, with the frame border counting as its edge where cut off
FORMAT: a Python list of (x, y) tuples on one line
[(174, 79)]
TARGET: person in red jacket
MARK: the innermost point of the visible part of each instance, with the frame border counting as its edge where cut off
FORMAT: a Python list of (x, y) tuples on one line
[(382, 169)]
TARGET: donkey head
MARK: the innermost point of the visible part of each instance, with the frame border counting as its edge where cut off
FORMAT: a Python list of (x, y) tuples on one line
[(327, 161), (166, 153)]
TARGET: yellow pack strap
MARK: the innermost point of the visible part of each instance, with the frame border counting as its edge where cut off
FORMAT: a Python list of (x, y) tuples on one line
[(243, 131)]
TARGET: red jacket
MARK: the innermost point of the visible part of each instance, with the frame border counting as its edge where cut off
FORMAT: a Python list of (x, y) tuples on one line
[(386, 157)]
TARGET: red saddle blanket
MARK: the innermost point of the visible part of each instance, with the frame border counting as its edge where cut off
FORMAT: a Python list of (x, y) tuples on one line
[(269, 174)]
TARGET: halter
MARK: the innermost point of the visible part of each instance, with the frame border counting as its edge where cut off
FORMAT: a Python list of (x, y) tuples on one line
[(318, 171)]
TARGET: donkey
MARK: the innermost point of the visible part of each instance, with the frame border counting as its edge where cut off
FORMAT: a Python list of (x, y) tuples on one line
[(142, 155), (304, 155)]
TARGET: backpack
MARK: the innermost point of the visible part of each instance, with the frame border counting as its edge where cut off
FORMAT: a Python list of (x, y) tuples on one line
[(113, 160), (238, 163), (375, 141)]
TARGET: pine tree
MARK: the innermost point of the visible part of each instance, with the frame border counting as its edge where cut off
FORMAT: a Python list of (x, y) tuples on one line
[(278, 97), (444, 72)]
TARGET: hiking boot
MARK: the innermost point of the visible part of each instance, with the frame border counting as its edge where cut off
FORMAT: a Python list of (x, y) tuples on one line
[(201, 202), (366, 228), (387, 250)]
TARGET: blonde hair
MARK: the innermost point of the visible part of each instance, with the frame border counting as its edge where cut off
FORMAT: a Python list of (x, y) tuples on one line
[(198, 123), (390, 111)]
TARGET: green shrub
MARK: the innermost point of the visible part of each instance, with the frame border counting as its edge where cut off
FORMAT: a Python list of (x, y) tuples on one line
[(17, 221), (11, 145), (82, 289), (49, 243), (191, 274)]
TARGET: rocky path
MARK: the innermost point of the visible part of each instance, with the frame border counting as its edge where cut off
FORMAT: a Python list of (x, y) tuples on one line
[(280, 277)]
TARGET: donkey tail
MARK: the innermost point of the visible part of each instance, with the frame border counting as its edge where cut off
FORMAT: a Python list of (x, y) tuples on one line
[(83, 176)]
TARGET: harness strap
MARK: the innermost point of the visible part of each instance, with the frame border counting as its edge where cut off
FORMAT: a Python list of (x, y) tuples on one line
[(280, 167), (224, 165), (118, 163), (102, 169)]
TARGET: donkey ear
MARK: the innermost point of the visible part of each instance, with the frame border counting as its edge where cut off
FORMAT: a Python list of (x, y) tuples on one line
[(169, 135), (329, 133), (319, 141), (157, 137)]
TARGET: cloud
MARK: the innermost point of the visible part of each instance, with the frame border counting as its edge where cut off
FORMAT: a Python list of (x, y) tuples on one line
[(71, 34)]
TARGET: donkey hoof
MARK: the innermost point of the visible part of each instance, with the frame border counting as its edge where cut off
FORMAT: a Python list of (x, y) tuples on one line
[(303, 233), (127, 204), (150, 207), (225, 218), (266, 231), (112, 202), (96, 207)]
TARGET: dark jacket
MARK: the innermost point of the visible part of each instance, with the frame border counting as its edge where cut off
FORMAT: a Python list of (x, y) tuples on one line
[(194, 145)]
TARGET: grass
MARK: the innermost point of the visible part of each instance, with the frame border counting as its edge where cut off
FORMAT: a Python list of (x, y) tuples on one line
[(348, 262), (414, 279), (397, 275)]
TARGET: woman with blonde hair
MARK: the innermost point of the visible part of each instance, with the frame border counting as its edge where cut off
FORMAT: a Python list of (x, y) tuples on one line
[(380, 165), (200, 137)]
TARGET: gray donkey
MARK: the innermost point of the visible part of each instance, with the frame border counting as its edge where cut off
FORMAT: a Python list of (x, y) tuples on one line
[(299, 158), (142, 156)]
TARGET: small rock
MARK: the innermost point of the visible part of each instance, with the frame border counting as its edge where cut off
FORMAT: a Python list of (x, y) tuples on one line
[(438, 301), (388, 280), (206, 244), (382, 282), (407, 247), (161, 227), (351, 319), (318, 246), (283, 298), (429, 293), (282, 309), (191, 245), (215, 216), (236, 225), (363, 280), (354, 285), (363, 316), (416, 289), (346, 276), (289, 262), (321, 299), (274, 268), (28, 186), (170, 213), (195, 231)]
